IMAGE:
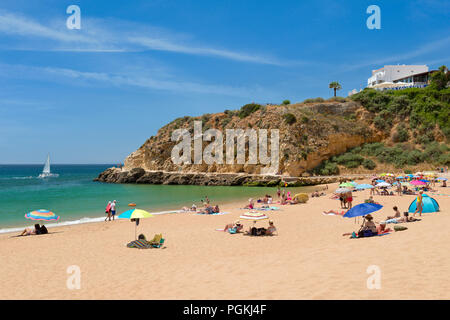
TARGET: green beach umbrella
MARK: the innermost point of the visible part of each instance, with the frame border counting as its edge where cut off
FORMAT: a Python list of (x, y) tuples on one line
[(347, 184)]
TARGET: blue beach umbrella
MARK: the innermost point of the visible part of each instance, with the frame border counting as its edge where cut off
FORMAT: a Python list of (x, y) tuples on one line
[(379, 181), (362, 210), (364, 186), (442, 179)]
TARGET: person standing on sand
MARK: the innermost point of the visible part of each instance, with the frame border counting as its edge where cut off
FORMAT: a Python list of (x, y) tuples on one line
[(113, 210), (108, 211), (399, 188), (419, 204), (279, 193)]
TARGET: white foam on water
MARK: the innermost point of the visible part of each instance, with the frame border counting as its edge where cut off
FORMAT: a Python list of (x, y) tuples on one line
[(75, 222)]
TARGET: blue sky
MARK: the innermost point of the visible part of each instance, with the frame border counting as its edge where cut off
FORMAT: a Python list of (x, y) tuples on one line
[(96, 94)]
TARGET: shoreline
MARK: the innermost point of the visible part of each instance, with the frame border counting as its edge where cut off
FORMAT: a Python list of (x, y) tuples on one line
[(161, 210)]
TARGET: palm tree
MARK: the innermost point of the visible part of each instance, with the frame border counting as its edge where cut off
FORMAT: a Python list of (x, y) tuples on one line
[(335, 85)]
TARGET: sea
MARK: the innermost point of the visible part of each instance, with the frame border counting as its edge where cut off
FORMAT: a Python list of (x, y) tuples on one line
[(76, 198)]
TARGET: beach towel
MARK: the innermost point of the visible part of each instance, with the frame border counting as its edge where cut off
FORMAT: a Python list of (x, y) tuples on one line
[(354, 236), (139, 244), (212, 214), (391, 221), (267, 209)]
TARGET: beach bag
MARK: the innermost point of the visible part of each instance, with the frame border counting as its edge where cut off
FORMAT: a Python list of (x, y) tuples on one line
[(400, 228)]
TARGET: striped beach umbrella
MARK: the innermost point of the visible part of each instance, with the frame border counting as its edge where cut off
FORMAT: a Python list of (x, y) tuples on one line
[(254, 216), (42, 215), (342, 190)]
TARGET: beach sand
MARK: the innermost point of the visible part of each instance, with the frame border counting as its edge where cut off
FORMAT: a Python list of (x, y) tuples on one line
[(309, 259)]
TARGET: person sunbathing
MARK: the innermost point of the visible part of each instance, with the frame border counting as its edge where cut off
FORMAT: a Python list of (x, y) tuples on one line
[(250, 204), (216, 209), (271, 229), (235, 227), (381, 228), (368, 225), (31, 231), (335, 212), (253, 231), (397, 214)]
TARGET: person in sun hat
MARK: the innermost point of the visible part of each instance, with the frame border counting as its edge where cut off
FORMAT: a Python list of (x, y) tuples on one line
[(235, 227), (368, 224)]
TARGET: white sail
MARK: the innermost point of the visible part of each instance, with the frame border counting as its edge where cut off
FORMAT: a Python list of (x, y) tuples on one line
[(47, 165), (46, 173)]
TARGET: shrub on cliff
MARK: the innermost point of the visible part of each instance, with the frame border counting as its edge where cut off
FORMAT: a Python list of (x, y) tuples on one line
[(313, 100), (424, 106), (248, 109), (369, 164), (289, 118), (286, 102), (401, 135)]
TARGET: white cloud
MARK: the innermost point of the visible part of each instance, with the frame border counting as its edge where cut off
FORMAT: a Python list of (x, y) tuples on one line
[(132, 79), (99, 35)]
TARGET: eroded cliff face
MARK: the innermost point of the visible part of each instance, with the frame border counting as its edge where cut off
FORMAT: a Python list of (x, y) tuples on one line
[(320, 130)]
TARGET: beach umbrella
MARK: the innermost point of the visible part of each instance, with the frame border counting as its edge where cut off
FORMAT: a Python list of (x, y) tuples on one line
[(400, 177), (342, 190), (347, 184), (253, 215), (429, 205), (442, 179), (364, 186), (379, 181), (383, 184), (362, 209), (135, 214), (417, 183), (42, 215), (423, 180)]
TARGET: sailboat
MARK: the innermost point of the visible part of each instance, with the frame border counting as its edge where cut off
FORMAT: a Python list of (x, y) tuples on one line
[(46, 171)]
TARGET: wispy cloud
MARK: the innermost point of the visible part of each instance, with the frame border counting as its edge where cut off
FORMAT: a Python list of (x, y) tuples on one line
[(129, 37), (131, 79)]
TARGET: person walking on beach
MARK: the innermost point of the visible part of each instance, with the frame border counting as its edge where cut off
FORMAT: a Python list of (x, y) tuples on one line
[(419, 204), (399, 188), (113, 210), (108, 211)]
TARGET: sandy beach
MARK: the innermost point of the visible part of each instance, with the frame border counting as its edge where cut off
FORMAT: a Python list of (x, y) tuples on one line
[(309, 259)]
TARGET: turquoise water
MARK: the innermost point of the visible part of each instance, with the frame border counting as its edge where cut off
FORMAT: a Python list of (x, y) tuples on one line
[(74, 196)]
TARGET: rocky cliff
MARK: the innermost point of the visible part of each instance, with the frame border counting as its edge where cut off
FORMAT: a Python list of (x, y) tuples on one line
[(309, 133)]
